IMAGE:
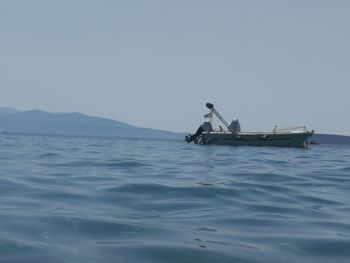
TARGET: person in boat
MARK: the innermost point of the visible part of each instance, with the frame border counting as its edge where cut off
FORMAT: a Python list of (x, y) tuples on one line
[(206, 126), (235, 127)]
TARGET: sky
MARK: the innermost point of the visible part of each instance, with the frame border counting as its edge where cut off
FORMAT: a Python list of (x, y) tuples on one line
[(156, 63)]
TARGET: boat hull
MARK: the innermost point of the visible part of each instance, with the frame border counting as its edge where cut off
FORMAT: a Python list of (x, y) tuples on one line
[(270, 139)]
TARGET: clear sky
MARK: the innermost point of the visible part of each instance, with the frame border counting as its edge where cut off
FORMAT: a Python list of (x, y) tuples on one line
[(156, 63)]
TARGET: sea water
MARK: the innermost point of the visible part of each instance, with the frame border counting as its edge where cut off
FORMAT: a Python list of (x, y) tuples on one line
[(86, 199)]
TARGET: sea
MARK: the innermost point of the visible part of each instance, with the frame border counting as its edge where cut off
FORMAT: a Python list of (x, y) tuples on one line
[(87, 199)]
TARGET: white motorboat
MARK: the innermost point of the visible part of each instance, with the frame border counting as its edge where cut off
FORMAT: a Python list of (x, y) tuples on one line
[(232, 135)]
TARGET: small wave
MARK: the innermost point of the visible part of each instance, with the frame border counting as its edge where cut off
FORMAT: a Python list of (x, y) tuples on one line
[(156, 190), (126, 164), (14, 250), (204, 229)]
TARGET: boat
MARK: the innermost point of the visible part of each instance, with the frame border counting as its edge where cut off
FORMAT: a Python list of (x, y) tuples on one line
[(232, 134)]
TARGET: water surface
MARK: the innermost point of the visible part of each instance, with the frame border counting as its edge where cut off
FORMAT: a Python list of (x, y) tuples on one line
[(85, 199)]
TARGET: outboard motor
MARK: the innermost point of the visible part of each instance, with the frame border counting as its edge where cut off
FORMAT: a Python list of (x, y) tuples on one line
[(235, 127), (205, 127)]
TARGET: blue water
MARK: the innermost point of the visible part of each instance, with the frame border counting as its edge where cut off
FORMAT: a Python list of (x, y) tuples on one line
[(80, 199)]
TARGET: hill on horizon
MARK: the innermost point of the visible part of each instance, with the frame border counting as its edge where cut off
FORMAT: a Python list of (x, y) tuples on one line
[(42, 122), (330, 139), (7, 110)]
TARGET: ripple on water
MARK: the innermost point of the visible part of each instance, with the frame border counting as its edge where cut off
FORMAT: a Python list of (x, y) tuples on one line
[(75, 199)]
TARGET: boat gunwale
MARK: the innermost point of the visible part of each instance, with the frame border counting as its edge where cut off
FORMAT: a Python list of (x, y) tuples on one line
[(261, 133)]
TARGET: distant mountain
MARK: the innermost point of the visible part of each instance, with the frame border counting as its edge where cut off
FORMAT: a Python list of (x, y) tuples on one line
[(42, 122), (330, 139), (6, 110)]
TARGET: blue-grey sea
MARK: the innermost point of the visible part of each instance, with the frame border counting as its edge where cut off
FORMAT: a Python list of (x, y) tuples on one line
[(85, 199)]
